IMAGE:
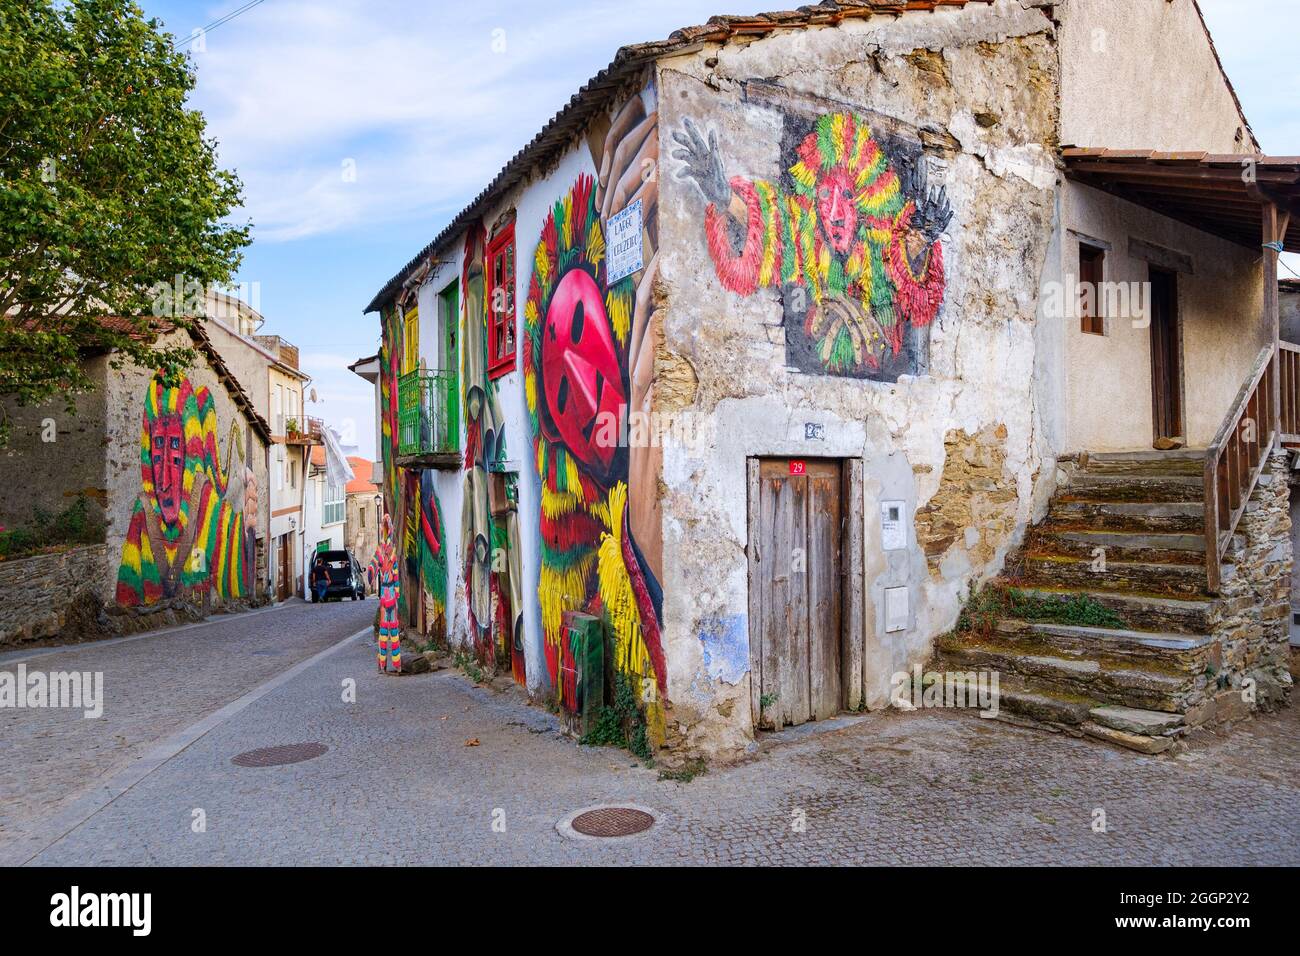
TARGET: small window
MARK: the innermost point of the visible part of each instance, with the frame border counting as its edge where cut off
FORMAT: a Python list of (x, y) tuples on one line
[(1091, 268), (501, 303)]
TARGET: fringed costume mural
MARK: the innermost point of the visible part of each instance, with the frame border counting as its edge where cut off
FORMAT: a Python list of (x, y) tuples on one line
[(386, 570), (187, 536), (850, 234)]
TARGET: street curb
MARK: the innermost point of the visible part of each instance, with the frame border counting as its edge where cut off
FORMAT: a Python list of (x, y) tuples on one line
[(13, 657), (32, 845)]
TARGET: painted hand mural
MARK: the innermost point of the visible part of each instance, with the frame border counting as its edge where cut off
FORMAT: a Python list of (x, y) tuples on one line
[(577, 374), (187, 532), (853, 226), (385, 569)]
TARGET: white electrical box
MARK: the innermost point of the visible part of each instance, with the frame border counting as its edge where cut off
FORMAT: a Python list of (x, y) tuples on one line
[(893, 527), (896, 609)]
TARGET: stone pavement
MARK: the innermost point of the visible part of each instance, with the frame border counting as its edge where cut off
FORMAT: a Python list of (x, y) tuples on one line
[(154, 685), (399, 784)]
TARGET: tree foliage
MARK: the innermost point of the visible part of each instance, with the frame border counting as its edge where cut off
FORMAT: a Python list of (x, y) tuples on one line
[(109, 189)]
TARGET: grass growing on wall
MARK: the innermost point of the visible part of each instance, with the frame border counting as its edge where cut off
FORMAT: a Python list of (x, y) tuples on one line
[(52, 532)]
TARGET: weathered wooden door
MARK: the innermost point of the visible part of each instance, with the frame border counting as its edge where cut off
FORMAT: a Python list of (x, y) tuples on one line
[(1166, 360), (795, 592)]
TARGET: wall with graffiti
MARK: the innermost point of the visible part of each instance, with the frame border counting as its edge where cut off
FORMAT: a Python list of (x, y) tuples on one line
[(192, 530), (411, 495), (588, 361), (848, 233)]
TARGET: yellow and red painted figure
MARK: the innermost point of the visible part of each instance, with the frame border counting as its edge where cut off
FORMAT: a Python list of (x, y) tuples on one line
[(385, 568), (187, 534)]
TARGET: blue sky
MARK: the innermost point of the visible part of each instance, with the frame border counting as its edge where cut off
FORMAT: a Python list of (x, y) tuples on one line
[(425, 101)]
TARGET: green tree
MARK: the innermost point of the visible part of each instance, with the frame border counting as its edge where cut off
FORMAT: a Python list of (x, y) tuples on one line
[(109, 190)]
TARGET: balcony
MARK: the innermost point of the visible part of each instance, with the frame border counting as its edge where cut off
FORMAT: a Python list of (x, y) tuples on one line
[(428, 420), (304, 431)]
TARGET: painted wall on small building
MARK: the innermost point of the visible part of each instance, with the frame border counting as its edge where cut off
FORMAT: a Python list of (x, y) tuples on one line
[(973, 92), (231, 453)]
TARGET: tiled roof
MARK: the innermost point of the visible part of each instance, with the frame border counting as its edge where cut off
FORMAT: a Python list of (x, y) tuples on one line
[(361, 470), (596, 93)]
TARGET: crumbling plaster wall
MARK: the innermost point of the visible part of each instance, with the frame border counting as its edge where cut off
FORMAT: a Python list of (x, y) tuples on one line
[(980, 84)]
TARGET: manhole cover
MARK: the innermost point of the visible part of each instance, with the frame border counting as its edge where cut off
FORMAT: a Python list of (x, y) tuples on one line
[(612, 822), (276, 756)]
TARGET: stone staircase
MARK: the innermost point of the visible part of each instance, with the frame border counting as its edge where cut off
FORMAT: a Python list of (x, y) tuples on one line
[(1101, 624)]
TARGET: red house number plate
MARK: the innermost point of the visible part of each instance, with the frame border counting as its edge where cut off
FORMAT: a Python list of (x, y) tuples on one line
[(798, 467)]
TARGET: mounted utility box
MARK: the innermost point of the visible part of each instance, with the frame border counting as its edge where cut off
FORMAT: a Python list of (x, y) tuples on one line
[(581, 690)]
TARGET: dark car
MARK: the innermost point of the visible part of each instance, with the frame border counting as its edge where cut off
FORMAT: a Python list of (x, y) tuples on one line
[(347, 579)]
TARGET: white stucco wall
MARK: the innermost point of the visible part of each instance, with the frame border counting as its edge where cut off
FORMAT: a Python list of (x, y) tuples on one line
[(1108, 377), (1141, 74)]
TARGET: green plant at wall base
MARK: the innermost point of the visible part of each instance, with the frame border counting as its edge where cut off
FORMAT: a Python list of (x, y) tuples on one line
[(470, 665), (687, 772), (621, 724), (766, 701), (49, 532)]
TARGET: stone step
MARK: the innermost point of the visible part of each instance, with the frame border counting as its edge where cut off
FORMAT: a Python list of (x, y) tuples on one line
[(1086, 486), (1156, 547), (1145, 577), (1149, 723), (1139, 611), (1186, 653), (1177, 462), (1105, 682), (1137, 517)]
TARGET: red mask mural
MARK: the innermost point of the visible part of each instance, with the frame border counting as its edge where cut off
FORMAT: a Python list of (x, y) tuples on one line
[(835, 206), (580, 371), (167, 444)]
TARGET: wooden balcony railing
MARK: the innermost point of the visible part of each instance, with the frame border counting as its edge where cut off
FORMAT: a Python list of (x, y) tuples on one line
[(1289, 372), (428, 413), (1238, 454)]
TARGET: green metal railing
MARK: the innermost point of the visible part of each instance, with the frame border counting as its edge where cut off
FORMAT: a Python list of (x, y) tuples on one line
[(428, 413)]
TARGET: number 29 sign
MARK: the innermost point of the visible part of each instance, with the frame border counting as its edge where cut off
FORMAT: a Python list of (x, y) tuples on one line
[(798, 467)]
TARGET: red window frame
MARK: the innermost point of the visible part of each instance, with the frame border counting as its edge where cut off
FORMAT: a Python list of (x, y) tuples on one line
[(502, 263)]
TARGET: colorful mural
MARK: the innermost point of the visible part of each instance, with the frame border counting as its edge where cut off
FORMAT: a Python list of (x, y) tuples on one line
[(850, 234), (583, 341), (421, 513), (489, 544), (386, 570), (187, 536)]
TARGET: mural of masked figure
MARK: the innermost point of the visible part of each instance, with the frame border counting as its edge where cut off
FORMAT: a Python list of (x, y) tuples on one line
[(853, 225), (384, 567), (576, 381), (184, 536)]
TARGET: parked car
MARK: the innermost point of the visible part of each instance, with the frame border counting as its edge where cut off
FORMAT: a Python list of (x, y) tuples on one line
[(347, 577)]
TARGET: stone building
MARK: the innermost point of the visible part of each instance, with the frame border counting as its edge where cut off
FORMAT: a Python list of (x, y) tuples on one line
[(364, 506), (173, 471), (793, 332)]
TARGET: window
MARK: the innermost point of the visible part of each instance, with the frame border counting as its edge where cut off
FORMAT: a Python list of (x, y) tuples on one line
[(334, 501), (1091, 263), (411, 340), (501, 303), (361, 516), (293, 474)]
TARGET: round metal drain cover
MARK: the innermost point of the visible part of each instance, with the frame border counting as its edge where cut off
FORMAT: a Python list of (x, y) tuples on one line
[(612, 822), (277, 756)]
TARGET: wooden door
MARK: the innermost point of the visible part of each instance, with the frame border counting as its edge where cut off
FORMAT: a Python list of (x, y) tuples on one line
[(795, 593), (1166, 360), (282, 569)]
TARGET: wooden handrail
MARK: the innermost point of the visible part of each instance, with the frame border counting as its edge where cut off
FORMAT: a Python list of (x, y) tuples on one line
[(1237, 456)]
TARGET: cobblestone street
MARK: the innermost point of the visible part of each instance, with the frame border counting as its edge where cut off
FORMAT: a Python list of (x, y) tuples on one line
[(401, 782)]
